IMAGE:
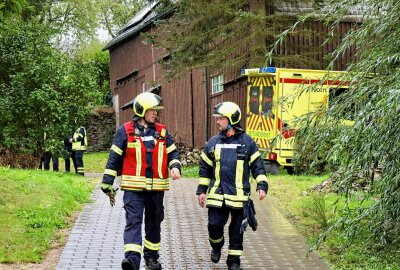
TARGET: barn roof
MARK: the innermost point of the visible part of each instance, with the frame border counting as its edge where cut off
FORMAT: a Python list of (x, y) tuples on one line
[(150, 14), (353, 14), (140, 21)]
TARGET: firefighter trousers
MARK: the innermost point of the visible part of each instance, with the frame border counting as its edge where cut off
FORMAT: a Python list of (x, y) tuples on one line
[(67, 157), (46, 161), (151, 204), (77, 159), (217, 218)]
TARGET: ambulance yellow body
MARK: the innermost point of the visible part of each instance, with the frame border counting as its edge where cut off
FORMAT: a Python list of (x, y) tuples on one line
[(274, 102)]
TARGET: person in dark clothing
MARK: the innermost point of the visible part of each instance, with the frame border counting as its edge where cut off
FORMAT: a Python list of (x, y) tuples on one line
[(46, 157), (79, 145), (68, 155), (144, 153), (225, 166)]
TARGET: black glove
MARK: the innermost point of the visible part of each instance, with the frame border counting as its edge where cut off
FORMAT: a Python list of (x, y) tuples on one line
[(252, 215), (249, 216)]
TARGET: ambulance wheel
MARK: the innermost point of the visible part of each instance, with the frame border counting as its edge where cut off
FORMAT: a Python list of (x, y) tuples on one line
[(272, 167)]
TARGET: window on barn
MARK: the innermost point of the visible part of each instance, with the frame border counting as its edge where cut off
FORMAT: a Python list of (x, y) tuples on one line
[(127, 79), (217, 84)]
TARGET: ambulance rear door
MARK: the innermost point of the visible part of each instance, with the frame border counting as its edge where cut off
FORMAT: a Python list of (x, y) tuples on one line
[(260, 103)]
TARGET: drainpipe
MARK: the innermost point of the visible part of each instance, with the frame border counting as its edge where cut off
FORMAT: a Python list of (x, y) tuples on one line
[(153, 61), (192, 101), (206, 100)]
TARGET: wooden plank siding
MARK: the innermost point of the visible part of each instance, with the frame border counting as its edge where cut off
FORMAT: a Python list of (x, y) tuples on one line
[(188, 101), (310, 41), (133, 56)]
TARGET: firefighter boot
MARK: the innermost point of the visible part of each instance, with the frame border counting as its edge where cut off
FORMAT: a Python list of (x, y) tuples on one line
[(215, 256), (153, 264), (234, 266), (128, 265)]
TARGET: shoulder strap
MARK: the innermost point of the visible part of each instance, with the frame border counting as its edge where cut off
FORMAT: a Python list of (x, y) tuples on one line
[(161, 129), (129, 128)]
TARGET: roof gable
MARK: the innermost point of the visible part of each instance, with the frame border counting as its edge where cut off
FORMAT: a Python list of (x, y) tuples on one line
[(137, 24)]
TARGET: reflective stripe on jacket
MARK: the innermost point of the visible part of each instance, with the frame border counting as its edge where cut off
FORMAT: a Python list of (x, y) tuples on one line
[(79, 140), (135, 165), (150, 168), (225, 168)]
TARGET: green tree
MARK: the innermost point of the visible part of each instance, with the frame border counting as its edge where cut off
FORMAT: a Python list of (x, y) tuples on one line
[(67, 18), (373, 103), (220, 33), (98, 61), (9, 8), (42, 90), (115, 14), (52, 70)]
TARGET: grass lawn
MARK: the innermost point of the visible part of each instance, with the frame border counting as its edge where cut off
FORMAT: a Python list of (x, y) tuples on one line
[(34, 205), (92, 161), (310, 212)]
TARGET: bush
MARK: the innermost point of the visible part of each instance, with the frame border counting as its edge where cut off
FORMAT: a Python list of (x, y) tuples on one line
[(311, 149), (17, 160)]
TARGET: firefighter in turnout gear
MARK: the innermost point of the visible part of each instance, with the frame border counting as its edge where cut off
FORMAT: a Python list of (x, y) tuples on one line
[(144, 153), (79, 145), (225, 166)]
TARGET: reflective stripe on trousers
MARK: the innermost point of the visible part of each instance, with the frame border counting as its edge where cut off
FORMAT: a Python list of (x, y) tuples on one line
[(217, 219), (135, 204), (77, 158)]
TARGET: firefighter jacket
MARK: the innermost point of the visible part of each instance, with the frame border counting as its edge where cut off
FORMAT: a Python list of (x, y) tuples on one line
[(79, 140), (225, 168), (142, 156)]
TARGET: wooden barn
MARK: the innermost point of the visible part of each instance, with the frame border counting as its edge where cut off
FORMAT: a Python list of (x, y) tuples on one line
[(189, 101)]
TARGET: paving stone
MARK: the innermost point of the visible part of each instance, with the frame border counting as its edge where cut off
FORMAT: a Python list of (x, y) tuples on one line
[(96, 241)]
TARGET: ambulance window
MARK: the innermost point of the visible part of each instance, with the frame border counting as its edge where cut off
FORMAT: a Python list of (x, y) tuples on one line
[(334, 94), (267, 97), (254, 99)]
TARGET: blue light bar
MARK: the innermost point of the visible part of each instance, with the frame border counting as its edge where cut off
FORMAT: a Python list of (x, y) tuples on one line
[(267, 69)]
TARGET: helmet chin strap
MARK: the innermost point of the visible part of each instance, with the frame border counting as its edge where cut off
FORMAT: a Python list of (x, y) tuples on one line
[(227, 128)]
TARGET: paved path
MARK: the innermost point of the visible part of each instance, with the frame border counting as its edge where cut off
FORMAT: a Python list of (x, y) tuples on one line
[(96, 241)]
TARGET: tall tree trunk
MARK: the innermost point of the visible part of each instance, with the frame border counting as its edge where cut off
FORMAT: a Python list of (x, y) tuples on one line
[(257, 45)]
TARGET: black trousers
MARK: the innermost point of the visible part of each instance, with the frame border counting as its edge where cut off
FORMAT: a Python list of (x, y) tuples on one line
[(217, 218), (47, 156), (77, 159), (67, 157), (151, 204)]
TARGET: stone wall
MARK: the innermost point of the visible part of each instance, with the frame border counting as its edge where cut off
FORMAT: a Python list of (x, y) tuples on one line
[(100, 129), (189, 156)]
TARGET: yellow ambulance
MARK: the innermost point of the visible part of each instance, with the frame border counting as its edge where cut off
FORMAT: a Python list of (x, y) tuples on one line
[(275, 98)]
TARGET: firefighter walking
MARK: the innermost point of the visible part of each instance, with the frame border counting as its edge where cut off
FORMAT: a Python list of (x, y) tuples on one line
[(144, 152), (225, 166)]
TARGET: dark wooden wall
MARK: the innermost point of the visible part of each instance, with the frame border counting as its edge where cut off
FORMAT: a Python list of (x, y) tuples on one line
[(188, 101), (308, 46), (183, 98)]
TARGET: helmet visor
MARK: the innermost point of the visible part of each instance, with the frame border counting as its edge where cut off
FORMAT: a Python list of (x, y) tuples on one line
[(158, 107)]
